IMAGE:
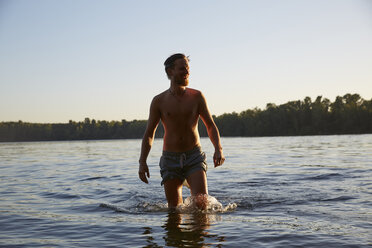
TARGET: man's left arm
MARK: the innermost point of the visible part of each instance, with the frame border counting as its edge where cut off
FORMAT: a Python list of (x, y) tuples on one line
[(212, 130)]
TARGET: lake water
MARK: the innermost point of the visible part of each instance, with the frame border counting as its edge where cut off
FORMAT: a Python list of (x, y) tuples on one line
[(313, 191)]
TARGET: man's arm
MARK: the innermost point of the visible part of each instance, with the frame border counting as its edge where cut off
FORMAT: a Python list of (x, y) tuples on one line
[(148, 138), (212, 130)]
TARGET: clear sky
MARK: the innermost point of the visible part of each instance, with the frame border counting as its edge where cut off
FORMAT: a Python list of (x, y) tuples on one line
[(67, 60)]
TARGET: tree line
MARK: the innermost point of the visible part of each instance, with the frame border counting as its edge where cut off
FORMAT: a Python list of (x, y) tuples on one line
[(348, 114)]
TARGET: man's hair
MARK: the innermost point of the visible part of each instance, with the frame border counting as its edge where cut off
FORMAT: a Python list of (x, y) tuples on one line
[(169, 62)]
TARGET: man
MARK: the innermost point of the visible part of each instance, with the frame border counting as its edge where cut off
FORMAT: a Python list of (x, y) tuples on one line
[(179, 109)]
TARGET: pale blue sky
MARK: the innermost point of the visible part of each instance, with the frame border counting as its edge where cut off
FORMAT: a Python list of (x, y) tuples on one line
[(67, 60)]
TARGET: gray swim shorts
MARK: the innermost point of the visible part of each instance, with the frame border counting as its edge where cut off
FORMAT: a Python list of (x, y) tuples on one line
[(181, 164)]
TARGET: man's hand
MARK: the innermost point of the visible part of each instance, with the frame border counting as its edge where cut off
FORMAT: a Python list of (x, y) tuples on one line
[(218, 157), (143, 172)]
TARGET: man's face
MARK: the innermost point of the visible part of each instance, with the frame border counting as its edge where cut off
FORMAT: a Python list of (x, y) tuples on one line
[(180, 73)]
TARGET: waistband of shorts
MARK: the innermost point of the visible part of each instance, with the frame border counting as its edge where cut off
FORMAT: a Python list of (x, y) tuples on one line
[(187, 153)]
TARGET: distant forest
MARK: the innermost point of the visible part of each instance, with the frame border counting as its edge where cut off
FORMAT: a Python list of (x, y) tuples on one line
[(348, 114)]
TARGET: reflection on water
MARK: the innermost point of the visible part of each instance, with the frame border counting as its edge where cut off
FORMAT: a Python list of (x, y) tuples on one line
[(190, 230), (185, 226), (185, 230)]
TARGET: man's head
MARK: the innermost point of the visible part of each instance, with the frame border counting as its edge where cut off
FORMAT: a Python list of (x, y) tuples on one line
[(170, 63)]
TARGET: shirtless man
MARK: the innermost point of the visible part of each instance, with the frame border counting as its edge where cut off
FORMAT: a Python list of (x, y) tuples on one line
[(179, 109)]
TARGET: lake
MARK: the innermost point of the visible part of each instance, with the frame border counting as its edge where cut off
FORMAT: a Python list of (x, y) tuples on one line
[(310, 191)]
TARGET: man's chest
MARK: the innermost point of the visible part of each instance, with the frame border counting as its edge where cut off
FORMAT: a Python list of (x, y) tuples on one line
[(179, 110)]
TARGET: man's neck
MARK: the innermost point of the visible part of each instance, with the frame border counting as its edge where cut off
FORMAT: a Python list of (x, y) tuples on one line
[(177, 90)]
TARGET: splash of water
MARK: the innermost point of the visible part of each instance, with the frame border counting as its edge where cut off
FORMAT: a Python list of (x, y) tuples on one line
[(192, 204), (204, 203)]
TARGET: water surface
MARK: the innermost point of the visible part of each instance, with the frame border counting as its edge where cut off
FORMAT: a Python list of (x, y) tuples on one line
[(289, 192)]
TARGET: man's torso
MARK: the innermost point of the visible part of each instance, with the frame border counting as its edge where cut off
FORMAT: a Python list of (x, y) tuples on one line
[(179, 115)]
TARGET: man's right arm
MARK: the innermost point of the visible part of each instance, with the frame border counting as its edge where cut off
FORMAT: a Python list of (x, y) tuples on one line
[(148, 138)]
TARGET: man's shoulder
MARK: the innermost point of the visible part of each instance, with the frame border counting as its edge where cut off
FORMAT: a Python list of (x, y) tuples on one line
[(163, 95), (195, 91), (160, 96)]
